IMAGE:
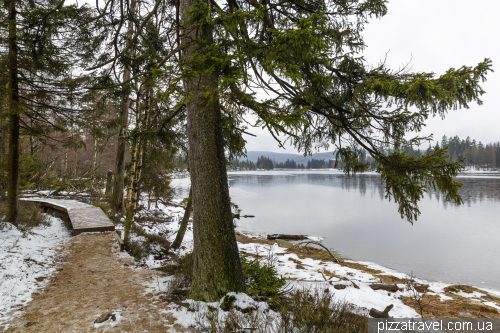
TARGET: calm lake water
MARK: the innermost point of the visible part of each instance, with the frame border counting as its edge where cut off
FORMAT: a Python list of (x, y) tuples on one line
[(449, 243)]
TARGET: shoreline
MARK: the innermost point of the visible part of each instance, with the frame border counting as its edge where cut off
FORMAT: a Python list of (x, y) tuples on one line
[(445, 299)]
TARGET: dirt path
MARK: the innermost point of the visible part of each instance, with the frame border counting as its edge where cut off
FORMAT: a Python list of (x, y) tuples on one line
[(95, 280)]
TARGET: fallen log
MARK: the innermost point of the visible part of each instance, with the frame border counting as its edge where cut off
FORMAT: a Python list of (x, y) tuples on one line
[(385, 286), (381, 314), (283, 236)]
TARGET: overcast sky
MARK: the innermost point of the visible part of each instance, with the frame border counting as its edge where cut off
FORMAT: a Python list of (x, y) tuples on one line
[(435, 35)]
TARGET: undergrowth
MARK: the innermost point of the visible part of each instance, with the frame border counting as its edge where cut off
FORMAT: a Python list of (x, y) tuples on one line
[(30, 215), (302, 311), (295, 311)]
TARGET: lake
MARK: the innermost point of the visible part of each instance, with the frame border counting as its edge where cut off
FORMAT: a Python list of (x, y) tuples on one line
[(448, 243)]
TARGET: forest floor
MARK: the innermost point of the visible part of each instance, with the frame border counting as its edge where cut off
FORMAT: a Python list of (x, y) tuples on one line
[(93, 280)]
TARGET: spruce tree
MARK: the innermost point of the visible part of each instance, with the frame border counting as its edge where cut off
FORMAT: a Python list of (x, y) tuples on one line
[(45, 46)]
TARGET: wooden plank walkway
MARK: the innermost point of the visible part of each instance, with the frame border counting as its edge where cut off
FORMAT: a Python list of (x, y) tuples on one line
[(83, 217)]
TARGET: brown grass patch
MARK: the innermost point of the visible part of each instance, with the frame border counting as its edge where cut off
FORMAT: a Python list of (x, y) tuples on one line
[(390, 279), (459, 307), (246, 240), (360, 267)]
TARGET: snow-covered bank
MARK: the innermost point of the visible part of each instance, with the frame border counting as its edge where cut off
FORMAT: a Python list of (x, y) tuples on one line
[(26, 262), (350, 282)]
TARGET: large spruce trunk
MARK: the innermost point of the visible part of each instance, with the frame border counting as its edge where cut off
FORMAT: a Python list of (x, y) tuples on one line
[(217, 267), (14, 117)]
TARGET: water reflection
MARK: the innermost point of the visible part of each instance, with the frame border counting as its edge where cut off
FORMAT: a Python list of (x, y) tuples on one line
[(474, 189)]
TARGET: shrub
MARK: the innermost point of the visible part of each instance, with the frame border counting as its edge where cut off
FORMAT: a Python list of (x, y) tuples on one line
[(146, 244), (182, 271), (319, 312), (30, 215), (262, 281), (302, 312)]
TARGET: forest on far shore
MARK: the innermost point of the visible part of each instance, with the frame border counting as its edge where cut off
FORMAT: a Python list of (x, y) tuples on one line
[(474, 154)]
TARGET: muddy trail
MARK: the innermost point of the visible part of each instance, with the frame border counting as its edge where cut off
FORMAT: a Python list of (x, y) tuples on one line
[(93, 281)]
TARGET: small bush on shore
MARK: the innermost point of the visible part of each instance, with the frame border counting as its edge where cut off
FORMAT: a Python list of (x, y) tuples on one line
[(262, 281), (147, 244), (182, 271)]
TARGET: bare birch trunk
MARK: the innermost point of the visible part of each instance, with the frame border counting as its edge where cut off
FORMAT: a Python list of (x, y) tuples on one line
[(119, 183), (136, 167)]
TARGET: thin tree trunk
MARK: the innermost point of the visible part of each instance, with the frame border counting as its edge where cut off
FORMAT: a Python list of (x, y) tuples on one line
[(135, 175), (14, 117), (182, 228), (141, 149), (65, 172), (94, 163), (109, 180), (217, 267), (119, 183), (133, 155)]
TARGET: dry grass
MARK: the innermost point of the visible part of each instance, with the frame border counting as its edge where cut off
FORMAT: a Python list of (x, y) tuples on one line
[(246, 240), (302, 312), (459, 307)]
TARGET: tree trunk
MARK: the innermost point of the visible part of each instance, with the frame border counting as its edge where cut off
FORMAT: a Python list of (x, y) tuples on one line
[(136, 167), (133, 154), (109, 180), (182, 229), (14, 117), (118, 206), (65, 172), (94, 163), (217, 267)]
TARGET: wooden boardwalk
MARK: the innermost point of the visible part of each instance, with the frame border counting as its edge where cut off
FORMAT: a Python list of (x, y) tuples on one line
[(83, 217)]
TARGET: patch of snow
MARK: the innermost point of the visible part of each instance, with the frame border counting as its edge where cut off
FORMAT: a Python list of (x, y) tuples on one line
[(26, 263), (473, 294)]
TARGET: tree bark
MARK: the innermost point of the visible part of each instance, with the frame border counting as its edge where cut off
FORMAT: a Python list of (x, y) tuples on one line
[(118, 206), (136, 168), (14, 118), (109, 180), (182, 228), (94, 163), (217, 267), (134, 153)]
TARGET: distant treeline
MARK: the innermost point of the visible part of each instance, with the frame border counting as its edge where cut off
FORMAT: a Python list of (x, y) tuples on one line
[(476, 155)]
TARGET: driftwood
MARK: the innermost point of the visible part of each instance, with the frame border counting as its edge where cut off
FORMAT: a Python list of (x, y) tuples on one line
[(381, 314), (283, 236), (385, 286)]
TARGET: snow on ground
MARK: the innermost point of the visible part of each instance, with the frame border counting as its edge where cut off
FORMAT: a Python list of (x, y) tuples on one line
[(26, 262), (311, 274)]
